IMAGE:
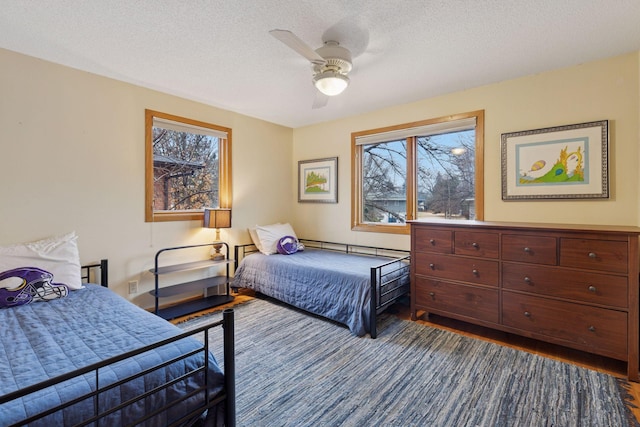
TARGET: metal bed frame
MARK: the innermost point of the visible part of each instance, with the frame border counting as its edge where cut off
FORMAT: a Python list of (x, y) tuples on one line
[(386, 288), (227, 396)]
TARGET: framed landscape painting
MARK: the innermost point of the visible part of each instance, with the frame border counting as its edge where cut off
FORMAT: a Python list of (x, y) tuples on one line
[(564, 162), (318, 180)]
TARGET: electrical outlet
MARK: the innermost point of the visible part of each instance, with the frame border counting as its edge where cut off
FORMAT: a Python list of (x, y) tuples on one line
[(133, 287)]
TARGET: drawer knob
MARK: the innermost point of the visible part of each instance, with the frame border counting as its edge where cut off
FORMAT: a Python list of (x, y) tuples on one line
[(593, 255), (527, 279), (432, 241), (475, 272), (527, 250), (592, 328), (592, 289), (432, 266), (432, 295), (475, 245), (527, 314)]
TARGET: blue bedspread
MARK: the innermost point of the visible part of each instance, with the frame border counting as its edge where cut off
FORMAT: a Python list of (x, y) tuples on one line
[(46, 339), (334, 285)]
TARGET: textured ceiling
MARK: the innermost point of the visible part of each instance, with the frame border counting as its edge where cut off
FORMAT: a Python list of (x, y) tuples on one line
[(220, 52)]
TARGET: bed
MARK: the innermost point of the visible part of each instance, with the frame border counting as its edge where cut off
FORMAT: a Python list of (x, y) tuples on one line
[(349, 284), (93, 358)]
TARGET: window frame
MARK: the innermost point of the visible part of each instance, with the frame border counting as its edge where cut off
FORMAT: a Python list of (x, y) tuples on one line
[(224, 178), (357, 224)]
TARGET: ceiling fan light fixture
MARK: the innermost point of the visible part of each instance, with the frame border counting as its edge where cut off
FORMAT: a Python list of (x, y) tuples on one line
[(331, 83)]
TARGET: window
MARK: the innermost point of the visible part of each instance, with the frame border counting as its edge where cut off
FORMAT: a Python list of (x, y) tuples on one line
[(427, 169), (188, 167)]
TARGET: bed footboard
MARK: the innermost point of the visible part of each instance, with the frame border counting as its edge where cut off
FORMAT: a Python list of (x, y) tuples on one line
[(226, 396), (389, 282)]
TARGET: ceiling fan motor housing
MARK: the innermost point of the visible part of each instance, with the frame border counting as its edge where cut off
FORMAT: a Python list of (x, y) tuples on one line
[(338, 58)]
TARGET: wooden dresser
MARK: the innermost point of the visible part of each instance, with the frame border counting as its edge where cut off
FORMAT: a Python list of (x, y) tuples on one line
[(575, 286)]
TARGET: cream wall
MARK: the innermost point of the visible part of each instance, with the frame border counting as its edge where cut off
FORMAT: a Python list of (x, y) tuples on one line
[(72, 158), (600, 90)]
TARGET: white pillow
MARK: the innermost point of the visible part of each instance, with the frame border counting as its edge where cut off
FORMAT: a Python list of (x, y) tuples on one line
[(255, 239), (58, 255), (269, 235)]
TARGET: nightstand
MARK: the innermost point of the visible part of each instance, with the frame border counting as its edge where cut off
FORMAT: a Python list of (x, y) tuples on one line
[(203, 285)]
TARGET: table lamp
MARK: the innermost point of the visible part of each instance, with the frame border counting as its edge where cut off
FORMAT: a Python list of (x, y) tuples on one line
[(217, 218)]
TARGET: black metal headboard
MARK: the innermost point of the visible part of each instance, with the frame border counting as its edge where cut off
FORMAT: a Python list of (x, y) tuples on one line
[(89, 275)]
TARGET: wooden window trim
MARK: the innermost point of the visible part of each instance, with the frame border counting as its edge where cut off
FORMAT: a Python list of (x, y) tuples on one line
[(224, 179), (356, 173)]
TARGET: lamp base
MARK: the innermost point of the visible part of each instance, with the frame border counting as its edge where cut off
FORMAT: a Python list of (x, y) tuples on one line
[(217, 255)]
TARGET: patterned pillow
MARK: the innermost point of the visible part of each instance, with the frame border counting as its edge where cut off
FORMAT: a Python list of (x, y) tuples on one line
[(25, 285), (288, 245)]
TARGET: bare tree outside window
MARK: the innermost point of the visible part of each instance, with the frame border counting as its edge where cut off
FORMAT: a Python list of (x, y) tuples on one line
[(445, 178), (185, 170), (419, 170), (446, 175), (384, 167), (187, 167)]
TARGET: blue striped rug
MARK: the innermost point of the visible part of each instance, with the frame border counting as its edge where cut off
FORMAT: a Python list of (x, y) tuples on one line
[(295, 369)]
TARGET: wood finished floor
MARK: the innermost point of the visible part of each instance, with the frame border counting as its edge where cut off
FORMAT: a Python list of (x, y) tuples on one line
[(601, 364)]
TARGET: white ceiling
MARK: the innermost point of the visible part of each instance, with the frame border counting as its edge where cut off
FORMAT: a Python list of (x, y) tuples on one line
[(220, 52)]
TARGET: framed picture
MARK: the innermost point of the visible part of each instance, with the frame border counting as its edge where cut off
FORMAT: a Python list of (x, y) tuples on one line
[(564, 162), (318, 180)]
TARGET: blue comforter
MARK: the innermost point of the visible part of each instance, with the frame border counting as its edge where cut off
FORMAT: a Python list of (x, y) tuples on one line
[(334, 285), (46, 339)]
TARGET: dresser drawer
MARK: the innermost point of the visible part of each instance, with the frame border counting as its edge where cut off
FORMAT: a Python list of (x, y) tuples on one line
[(528, 248), (464, 269), (606, 255), (477, 244), (463, 300), (430, 240), (592, 329), (581, 286)]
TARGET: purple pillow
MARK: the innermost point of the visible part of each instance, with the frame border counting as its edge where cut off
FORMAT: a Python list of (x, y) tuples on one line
[(28, 284), (287, 245)]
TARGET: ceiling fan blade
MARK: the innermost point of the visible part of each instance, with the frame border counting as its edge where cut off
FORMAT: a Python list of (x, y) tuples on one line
[(294, 42), (320, 100)]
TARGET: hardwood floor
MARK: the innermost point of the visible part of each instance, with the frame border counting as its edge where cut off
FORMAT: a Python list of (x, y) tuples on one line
[(601, 364), (238, 299)]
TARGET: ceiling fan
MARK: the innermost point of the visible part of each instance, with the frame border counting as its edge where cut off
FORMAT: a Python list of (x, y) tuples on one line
[(331, 64)]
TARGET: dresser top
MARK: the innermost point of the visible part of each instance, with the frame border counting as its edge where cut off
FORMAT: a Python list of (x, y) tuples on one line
[(627, 229)]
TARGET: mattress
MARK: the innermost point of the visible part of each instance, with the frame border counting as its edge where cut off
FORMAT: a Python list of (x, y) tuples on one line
[(45, 339), (335, 285)]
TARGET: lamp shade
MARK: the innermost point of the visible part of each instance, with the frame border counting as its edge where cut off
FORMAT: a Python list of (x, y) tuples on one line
[(217, 218), (331, 83)]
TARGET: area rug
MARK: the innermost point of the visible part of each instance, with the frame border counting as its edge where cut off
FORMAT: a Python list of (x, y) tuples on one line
[(295, 369)]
